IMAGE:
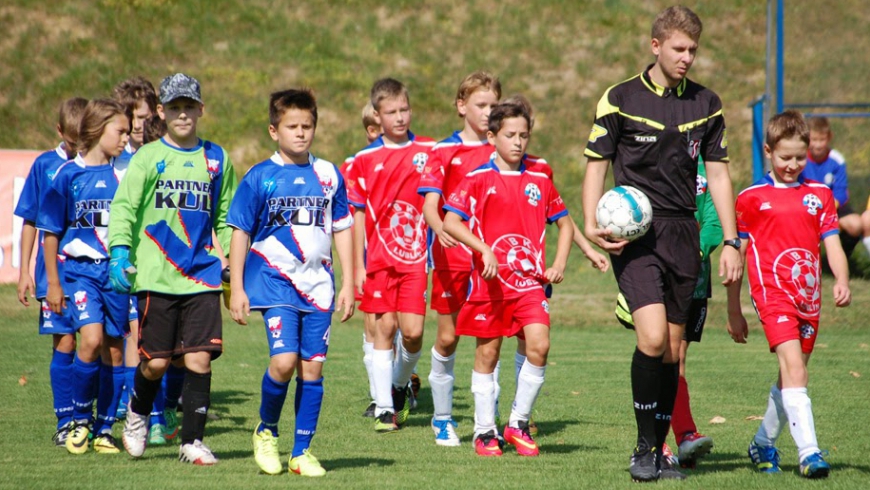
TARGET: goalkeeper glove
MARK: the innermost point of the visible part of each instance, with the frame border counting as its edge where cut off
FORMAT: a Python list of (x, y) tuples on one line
[(119, 266)]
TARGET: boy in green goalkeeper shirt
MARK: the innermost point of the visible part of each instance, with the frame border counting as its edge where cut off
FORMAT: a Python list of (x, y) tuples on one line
[(176, 191)]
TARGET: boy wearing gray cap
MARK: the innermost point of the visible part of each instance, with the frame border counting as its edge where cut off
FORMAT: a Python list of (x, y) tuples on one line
[(177, 190)]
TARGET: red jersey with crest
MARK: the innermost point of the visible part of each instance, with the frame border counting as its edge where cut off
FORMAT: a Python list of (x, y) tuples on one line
[(383, 181), (784, 225), (509, 211), (449, 162)]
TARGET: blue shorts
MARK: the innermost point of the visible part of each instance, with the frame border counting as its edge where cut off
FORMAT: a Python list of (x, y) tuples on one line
[(134, 309), (289, 330), (92, 300), (50, 323)]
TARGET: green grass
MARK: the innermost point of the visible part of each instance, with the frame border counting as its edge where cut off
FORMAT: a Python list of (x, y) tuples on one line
[(584, 411)]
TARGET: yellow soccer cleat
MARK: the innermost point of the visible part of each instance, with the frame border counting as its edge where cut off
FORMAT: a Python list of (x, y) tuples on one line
[(306, 465), (266, 452), (77, 441), (106, 444)]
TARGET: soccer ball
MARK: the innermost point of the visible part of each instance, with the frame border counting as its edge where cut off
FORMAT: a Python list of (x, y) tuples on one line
[(625, 211)]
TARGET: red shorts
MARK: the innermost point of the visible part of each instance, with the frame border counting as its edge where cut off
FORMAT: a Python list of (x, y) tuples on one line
[(490, 319), (449, 290), (782, 327), (388, 291)]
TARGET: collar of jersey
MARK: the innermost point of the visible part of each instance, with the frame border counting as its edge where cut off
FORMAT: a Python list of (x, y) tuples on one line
[(196, 148), (381, 141), (276, 159), (493, 166), (456, 138), (61, 152), (80, 162), (768, 178), (658, 89)]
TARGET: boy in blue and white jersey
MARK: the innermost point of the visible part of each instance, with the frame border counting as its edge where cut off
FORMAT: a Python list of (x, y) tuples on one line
[(75, 217), (28, 208), (289, 207)]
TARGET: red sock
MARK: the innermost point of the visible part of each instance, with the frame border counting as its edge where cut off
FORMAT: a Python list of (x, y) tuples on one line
[(681, 419)]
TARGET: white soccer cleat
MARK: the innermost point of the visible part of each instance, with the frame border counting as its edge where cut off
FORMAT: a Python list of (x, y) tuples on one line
[(445, 433), (196, 453), (135, 435)]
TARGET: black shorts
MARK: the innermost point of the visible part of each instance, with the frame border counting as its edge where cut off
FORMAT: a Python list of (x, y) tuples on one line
[(697, 319), (844, 210), (172, 325), (661, 267)]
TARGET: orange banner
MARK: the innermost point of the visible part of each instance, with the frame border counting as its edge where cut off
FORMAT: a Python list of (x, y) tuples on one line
[(14, 166)]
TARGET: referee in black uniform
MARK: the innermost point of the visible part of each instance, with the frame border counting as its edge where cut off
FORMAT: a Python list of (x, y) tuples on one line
[(653, 128)]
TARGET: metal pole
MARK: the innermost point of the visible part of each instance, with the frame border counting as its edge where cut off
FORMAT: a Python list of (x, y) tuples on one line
[(780, 55)]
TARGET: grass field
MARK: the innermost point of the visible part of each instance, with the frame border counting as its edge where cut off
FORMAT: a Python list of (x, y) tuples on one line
[(584, 411)]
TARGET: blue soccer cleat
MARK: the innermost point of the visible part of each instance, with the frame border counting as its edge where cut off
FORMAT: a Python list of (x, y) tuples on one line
[(765, 458), (815, 466)]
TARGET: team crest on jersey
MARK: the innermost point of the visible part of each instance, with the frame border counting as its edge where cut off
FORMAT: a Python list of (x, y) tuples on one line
[(807, 331), (420, 160), (700, 185), (694, 148), (813, 204), (534, 193), (214, 167), (328, 186), (796, 272), (161, 166), (81, 300), (274, 325), (401, 231), (519, 266)]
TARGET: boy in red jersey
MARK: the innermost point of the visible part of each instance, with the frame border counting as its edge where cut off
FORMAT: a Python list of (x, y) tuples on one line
[(507, 297), (382, 189), (373, 130), (783, 217)]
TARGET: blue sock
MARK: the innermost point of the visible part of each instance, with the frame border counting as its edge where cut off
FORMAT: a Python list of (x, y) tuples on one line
[(173, 384), (309, 397), (60, 372), (86, 379), (271, 402), (111, 384), (159, 405), (129, 376)]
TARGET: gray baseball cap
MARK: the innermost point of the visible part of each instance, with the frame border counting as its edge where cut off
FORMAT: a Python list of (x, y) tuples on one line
[(178, 86)]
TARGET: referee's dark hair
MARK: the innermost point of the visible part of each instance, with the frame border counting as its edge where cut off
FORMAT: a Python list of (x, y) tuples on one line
[(281, 102)]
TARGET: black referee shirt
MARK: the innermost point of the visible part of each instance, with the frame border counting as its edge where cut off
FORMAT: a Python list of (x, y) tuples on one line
[(654, 136)]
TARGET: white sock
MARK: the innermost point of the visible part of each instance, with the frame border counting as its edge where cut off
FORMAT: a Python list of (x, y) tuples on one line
[(519, 360), (800, 420), (404, 366), (441, 382), (495, 374), (382, 377), (483, 388), (368, 347), (528, 386), (866, 242), (774, 419)]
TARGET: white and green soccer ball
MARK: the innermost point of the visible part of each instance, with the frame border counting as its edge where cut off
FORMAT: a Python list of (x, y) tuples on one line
[(625, 211)]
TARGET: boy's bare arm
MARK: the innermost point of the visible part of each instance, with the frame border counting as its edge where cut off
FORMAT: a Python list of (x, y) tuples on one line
[(738, 329), (54, 297), (598, 260), (359, 248), (344, 247), (839, 264), (722, 192), (556, 272), (433, 219), (240, 307), (453, 225), (25, 281)]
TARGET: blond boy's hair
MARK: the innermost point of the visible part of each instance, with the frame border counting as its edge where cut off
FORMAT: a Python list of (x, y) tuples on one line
[(787, 125), (386, 88), (476, 81), (677, 18), (368, 116)]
